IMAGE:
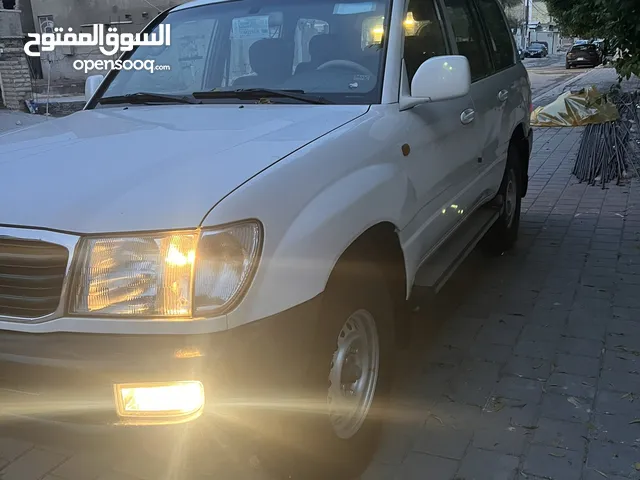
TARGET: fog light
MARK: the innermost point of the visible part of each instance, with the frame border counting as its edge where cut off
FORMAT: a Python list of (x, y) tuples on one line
[(175, 399)]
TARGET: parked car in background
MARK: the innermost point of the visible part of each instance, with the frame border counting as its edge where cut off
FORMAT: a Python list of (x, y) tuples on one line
[(583, 55), (545, 44), (545, 47), (536, 50)]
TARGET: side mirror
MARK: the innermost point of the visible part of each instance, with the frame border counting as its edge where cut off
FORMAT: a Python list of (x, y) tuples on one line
[(91, 85), (439, 78)]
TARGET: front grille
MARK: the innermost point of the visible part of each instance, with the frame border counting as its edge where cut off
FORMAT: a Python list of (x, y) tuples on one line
[(31, 277)]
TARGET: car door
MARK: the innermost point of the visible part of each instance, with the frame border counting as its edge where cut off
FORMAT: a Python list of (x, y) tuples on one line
[(472, 43), (501, 92), (443, 137)]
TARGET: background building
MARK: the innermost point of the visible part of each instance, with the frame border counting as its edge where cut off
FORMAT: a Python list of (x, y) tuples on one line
[(126, 15), (16, 81), (538, 27)]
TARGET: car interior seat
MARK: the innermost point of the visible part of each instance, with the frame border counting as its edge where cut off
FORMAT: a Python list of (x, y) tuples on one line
[(322, 49), (270, 60)]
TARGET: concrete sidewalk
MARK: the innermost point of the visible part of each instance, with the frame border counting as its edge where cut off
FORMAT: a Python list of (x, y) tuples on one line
[(525, 367)]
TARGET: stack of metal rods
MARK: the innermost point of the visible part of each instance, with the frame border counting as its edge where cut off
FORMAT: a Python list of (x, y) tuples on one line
[(609, 151)]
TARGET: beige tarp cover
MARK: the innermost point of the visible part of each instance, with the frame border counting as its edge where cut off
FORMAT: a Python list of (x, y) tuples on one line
[(576, 109)]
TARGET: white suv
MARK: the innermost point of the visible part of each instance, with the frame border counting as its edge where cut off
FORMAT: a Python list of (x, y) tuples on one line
[(241, 228)]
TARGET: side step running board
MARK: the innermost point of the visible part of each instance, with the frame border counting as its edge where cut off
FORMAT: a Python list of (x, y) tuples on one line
[(435, 272)]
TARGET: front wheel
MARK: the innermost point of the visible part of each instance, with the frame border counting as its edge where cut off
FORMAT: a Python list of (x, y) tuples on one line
[(335, 434), (504, 233)]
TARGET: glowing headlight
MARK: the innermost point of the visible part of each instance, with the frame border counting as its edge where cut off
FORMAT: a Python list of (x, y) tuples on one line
[(165, 275)]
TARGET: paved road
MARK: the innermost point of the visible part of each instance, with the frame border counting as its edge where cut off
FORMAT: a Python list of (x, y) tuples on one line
[(548, 73)]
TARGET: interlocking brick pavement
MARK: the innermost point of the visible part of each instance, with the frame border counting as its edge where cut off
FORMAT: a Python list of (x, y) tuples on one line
[(524, 367), (529, 365)]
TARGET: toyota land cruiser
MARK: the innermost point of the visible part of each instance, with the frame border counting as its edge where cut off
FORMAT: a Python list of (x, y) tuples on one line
[(240, 230)]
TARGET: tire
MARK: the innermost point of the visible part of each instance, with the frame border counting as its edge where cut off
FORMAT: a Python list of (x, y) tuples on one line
[(568, 67), (504, 233), (356, 302)]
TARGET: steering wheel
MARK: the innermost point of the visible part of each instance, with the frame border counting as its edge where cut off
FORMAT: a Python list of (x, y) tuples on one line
[(347, 64)]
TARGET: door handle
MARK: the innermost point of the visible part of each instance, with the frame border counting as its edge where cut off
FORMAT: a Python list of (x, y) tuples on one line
[(468, 116), (503, 95)]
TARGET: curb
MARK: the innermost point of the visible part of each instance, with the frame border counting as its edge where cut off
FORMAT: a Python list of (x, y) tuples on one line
[(561, 88)]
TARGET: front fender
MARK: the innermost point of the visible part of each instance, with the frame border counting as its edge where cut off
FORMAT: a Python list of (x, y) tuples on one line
[(312, 210)]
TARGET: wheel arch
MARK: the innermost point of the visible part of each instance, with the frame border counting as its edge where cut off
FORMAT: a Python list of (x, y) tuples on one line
[(519, 139), (380, 244)]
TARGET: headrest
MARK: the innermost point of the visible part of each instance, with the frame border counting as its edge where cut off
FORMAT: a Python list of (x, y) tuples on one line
[(270, 56), (324, 47)]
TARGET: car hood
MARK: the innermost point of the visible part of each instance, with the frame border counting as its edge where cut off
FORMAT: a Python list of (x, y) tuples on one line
[(148, 167)]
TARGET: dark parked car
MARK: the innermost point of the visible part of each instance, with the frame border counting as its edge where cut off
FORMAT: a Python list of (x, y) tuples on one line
[(586, 54), (535, 50), (545, 44)]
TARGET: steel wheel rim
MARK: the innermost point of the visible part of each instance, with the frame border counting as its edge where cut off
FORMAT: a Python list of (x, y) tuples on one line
[(354, 374), (511, 198)]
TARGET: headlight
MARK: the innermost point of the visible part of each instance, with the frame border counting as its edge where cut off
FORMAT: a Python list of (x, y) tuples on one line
[(165, 275), (226, 261)]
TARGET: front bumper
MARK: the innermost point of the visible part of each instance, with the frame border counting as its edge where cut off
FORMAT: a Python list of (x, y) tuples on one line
[(69, 378)]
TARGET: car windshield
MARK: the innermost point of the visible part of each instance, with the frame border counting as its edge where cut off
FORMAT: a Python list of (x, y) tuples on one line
[(583, 48), (537, 46), (330, 50)]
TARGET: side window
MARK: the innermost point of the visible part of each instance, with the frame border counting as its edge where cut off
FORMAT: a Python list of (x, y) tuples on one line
[(469, 37), (423, 37), (501, 39)]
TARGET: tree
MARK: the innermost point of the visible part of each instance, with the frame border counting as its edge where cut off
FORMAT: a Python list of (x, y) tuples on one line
[(508, 5), (614, 20)]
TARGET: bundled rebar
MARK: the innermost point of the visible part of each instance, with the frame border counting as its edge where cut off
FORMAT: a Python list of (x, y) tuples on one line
[(609, 151)]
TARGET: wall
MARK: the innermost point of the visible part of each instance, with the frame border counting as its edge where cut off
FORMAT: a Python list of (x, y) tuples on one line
[(552, 38), (15, 78), (539, 12), (10, 24), (75, 13)]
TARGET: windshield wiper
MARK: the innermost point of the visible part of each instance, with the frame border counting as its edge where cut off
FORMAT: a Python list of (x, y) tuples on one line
[(144, 98), (259, 93)]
